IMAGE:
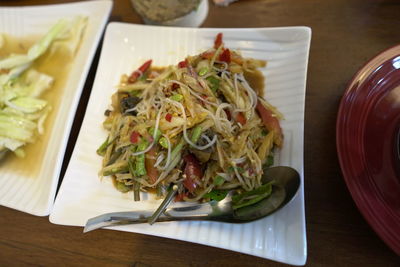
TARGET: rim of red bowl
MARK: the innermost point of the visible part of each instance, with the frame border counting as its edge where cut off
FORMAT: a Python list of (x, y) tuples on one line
[(380, 220)]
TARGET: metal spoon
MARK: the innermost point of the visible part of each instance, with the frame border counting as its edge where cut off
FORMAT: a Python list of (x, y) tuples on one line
[(287, 182)]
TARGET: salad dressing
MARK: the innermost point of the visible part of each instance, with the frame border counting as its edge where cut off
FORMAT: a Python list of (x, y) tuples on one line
[(57, 65)]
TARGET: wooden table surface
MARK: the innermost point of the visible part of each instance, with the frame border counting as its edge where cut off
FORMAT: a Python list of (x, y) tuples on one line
[(345, 33)]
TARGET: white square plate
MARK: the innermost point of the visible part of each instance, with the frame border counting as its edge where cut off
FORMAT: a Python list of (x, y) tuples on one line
[(25, 189), (83, 195)]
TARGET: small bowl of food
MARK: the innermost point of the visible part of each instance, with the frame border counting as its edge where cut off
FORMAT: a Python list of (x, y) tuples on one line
[(188, 13)]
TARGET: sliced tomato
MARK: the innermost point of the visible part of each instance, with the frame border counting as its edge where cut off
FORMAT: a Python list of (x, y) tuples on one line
[(225, 56), (218, 40), (168, 117), (240, 118), (192, 172), (182, 64), (189, 184), (152, 171), (142, 69), (270, 122), (135, 137)]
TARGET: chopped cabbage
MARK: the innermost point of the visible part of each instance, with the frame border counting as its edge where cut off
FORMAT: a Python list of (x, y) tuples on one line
[(22, 111)]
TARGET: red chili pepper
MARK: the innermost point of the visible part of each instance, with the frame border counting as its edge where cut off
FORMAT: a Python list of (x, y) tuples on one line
[(168, 117), (142, 69), (218, 40), (145, 66), (175, 86), (182, 64), (240, 118), (192, 171), (135, 137), (225, 56)]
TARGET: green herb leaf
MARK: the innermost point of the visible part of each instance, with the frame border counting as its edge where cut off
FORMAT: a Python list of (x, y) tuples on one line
[(252, 197), (216, 195)]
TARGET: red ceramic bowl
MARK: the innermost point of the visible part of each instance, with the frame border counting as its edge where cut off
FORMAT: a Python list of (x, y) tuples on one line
[(367, 140)]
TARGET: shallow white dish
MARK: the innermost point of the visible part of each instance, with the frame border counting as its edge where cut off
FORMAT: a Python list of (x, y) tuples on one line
[(34, 192), (83, 195)]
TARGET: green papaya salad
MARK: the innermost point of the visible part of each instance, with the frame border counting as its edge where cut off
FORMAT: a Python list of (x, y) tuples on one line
[(198, 125)]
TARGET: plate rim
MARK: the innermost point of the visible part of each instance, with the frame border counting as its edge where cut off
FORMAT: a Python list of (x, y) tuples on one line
[(306, 47), (98, 30)]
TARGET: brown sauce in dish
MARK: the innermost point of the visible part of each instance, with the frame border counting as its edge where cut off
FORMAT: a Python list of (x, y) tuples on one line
[(57, 65)]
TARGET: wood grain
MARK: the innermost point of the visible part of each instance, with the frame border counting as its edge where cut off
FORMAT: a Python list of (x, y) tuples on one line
[(345, 35)]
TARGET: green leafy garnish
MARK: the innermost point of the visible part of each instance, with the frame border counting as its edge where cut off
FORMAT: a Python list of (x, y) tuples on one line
[(216, 194), (252, 197)]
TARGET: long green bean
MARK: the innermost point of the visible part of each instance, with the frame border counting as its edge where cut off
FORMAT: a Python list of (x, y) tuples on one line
[(140, 167)]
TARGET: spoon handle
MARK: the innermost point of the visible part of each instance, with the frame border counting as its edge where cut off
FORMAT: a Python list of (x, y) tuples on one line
[(117, 218), (131, 217)]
